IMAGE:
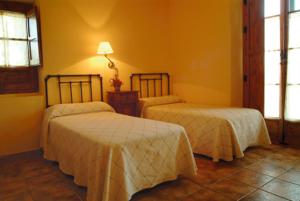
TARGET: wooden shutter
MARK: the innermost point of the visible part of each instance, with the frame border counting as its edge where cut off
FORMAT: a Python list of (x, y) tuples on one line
[(34, 41), (253, 39), (21, 79)]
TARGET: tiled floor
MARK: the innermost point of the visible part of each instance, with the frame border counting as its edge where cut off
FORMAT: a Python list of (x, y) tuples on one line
[(270, 173)]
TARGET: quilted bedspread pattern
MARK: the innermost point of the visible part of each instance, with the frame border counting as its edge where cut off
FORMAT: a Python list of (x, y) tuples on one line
[(220, 133), (115, 155)]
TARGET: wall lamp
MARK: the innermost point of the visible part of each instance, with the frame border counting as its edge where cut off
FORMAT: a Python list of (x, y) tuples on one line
[(106, 49)]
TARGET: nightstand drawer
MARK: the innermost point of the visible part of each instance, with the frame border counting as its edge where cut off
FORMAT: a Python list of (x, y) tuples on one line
[(124, 97), (124, 102)]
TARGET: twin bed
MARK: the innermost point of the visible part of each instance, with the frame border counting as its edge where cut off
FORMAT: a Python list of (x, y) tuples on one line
[(116, 156), (220, 133), (113, 155)]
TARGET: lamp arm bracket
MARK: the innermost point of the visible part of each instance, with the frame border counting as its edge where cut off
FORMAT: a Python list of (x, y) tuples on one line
[(112, 66)]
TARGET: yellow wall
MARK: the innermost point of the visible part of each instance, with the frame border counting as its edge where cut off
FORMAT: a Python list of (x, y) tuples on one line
[(198, 42), (71, 31), (19, 122), (206, 51)]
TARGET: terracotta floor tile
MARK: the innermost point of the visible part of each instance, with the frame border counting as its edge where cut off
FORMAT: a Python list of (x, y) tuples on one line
[(72, 197), (249, 158), (20, 170), (283, 161), (11, 173), (29, 159), (80, 191), (275, 147), (50, 195), (32, 155), (251, 178), (265, 167), (24, 196), (168, 191), (205, 177), (231, 188), (148, 196), (246, 161), (210, 172), (251, 154), (222, 167), (262, 151), (34, 172), (176, 189), (12, 188), (283, 189), (260, 195), (54, 189), (284, 156), (226, 168), (291, 152), (291, 176), (50, 177), (206, 195)]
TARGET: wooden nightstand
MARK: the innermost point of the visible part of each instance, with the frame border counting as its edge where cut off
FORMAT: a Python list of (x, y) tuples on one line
[(124, 102)]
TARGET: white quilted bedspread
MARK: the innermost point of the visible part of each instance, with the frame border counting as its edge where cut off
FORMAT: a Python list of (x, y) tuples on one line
[(220, 133), (115, 155)]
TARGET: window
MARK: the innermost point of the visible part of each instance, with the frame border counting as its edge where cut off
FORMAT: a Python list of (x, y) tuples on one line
[(272, 59), (277, 64), (20, 54), (292, 111)]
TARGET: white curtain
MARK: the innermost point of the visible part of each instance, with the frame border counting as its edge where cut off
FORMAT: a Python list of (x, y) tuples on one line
[(13, 40)]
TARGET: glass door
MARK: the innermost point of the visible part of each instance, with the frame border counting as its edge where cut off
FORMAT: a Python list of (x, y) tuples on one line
[(292, 112), (272, 59), (282, 67)]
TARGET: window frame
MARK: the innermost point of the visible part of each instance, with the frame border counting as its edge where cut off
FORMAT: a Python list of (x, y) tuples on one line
[(22, 79)]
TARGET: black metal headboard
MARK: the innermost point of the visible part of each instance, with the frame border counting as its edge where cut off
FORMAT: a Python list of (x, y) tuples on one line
[(70, 81), (158, 81)]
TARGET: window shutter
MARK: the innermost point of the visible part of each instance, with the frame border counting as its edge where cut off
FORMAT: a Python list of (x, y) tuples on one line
[(34, 45), (253, 54)]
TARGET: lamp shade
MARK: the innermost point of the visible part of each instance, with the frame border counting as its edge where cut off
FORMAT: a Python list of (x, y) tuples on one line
[(104, 48)]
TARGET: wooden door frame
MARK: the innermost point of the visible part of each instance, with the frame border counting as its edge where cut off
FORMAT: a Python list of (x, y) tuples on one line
[(253, 58), (279, 129), (246, 41), (283, 63)]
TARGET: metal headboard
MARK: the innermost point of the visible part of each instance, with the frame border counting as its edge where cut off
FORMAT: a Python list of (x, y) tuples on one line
[(157, 79), (70, 81)]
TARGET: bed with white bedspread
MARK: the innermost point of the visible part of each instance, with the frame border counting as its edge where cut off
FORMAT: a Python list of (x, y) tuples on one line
[(220, 133), (114, 155)]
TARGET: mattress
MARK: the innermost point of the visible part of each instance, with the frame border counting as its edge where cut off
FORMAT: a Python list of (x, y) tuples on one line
[(220, 133), (115, 155)]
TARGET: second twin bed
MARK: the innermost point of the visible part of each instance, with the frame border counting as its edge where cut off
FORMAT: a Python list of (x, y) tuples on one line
[(220, 133)]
